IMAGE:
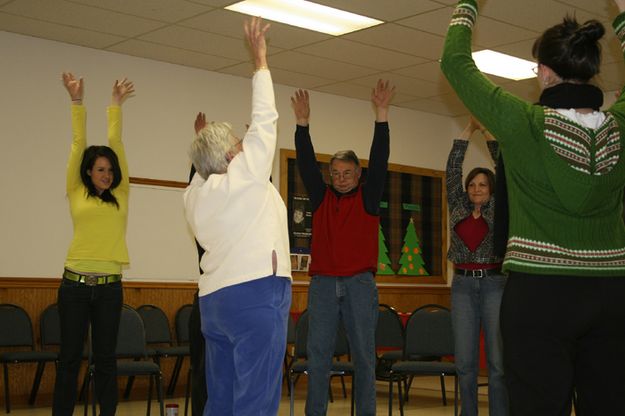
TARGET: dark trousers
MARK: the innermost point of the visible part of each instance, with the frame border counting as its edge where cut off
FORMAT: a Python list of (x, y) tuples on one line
[(564, 334), (80, 304), (196, 347)]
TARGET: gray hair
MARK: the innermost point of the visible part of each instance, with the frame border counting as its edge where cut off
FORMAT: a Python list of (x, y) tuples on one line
[(210, 148), (346, 156)]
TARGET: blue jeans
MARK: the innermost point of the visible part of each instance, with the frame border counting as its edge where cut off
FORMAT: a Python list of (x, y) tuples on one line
[(353, 299), (80, 304), (245, 331), (475, 304)]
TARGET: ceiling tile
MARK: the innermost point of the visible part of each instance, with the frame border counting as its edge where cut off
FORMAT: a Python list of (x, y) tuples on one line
[(85, 17), (535, 15), (527, 89), (164, 10), (280, 76), (359, 54), (314, 65), (600, 8), (172, 55), (198, 41), (53, 31), (401, 39), (380, 9), (228, 23), (214, 3), (403, 85), (444, 108), (612, 76)]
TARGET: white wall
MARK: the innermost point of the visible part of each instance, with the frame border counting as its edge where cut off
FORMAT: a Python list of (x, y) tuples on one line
[(35, 226)]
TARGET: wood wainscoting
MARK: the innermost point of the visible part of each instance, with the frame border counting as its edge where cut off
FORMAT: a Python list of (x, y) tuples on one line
[(35, 294)]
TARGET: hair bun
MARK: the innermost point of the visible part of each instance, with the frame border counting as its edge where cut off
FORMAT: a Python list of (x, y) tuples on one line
[(590, 31)]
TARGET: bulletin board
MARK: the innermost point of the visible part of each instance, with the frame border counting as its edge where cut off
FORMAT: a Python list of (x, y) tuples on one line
[(413, 222)]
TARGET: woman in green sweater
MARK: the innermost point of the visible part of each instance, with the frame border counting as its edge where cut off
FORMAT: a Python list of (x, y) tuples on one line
[(562, 314), (91, 289)]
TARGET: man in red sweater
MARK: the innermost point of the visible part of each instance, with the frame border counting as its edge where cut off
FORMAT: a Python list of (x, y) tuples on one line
[(344, 254)]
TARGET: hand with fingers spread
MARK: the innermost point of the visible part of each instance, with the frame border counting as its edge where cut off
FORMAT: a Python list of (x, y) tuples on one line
[(255, 34), (301, 107), (381, 97), (121, 91), (75, 87), (200, 122)]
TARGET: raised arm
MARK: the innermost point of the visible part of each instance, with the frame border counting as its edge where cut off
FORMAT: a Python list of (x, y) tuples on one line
[(506, 116), (380, 148), (259, 142), (75, 89), (455, 160), (122, 90), (306, 159)]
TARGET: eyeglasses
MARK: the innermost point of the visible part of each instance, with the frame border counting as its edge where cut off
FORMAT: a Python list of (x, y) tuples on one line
[(535, 70), (347, 175)]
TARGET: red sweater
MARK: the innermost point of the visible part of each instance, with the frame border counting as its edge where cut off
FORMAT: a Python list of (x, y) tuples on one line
[(344, 236)]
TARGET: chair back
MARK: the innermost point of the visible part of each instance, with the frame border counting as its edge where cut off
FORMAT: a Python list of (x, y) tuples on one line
[(389, 332), (429, 332), (131, 334), (50, 326), (16, 328), (156, 324), (182, 324)]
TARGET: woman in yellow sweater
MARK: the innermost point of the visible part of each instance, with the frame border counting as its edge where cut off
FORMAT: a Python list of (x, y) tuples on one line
[(91, 289)]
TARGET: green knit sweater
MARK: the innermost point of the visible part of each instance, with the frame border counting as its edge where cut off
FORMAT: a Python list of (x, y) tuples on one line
[(565, 181)]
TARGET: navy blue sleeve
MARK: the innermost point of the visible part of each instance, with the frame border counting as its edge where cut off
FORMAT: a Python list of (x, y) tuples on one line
[(308, 167), (373, 187)]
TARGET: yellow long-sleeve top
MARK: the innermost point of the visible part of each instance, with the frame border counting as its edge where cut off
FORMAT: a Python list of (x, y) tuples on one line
[(99, 242)]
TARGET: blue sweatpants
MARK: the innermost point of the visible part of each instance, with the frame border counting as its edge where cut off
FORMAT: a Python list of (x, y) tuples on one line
[(245, 331)]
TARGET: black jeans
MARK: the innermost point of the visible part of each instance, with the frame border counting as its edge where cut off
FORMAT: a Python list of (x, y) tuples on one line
[(80, 304), (563, 334), (197, 352)]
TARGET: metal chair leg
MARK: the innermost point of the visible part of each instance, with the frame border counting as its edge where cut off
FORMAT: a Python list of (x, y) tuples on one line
[(7, 401), (443, 392), (41, 365)]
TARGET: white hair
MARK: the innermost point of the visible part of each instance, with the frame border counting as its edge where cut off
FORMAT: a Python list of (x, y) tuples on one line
[(210, 148)]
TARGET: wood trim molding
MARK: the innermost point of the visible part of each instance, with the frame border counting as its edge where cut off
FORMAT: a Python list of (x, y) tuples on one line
[(158, 182)]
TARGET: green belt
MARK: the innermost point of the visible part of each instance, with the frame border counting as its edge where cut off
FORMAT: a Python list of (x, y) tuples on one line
[(90, 280)]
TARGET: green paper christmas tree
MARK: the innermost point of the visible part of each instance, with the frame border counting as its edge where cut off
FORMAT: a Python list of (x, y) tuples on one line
[(384, 263), (411, 262)]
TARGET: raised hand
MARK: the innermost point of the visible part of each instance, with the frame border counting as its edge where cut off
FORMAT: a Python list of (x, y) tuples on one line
[(255, 34), (381, 97), (121, 91), (200, 122), (301, 107), (75, 87)]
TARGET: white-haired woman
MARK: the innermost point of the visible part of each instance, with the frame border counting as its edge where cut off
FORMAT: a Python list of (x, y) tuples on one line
[(239, 218)]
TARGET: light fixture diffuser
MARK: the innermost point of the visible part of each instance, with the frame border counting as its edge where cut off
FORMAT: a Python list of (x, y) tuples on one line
[(305, 14), (502, 65)]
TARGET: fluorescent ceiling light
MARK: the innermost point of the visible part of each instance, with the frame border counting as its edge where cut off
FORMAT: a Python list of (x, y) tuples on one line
[(503, 65), (305, 14)]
